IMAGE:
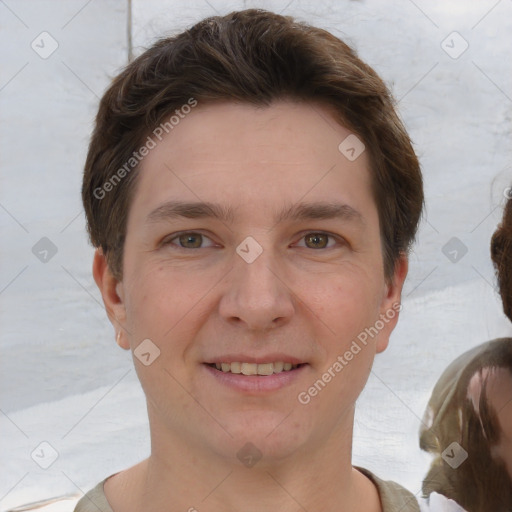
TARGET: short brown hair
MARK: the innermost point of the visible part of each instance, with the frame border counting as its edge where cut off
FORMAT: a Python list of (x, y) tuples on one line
[(501, 254), (256, 57)]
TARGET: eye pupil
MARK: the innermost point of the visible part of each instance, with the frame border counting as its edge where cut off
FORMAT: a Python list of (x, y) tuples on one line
[(315, 239), (193, 239)]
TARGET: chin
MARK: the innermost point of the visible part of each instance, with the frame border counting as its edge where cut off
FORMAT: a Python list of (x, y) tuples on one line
[(269, 436)]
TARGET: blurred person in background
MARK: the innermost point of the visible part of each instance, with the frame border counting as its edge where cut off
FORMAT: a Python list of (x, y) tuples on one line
[(468, 421)]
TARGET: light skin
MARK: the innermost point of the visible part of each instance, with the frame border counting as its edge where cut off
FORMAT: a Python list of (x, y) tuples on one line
[(197, 299)]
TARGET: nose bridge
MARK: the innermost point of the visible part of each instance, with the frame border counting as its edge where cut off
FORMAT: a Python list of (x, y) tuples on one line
[(256, 294)]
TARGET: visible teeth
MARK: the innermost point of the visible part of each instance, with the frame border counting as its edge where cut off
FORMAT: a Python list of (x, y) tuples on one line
[(249, 368), (236, 368), (255, 368), (278, 367), (266, 369)]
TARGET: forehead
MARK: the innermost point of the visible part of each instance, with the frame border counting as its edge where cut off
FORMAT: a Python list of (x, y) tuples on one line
[(246, 155)]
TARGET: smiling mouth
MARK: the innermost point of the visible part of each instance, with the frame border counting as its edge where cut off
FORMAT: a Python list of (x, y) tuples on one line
[(260, 369)]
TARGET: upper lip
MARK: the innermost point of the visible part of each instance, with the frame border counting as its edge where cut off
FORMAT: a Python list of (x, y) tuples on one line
[(245, 358)]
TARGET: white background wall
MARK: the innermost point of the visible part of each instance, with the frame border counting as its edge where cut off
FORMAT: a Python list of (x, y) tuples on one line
[(63, 379)]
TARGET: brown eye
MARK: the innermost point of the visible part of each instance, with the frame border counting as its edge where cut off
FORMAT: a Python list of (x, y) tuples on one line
[(316, 240), (190, 240)]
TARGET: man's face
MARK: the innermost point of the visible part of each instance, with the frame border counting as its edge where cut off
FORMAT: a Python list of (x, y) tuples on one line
[(292, 273)]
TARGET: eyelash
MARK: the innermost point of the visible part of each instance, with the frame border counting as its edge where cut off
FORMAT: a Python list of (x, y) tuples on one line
[(176, 236)]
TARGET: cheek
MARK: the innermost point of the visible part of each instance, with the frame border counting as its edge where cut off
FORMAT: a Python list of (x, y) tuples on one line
[(346, 304), (160, 299)]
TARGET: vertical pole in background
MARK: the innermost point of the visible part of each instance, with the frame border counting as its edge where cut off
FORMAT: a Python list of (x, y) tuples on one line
[(129, 30)]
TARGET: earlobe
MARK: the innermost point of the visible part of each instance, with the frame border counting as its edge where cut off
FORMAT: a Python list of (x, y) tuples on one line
[(121, 340)]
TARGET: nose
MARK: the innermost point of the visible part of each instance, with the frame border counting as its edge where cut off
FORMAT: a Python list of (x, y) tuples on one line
[(257, 294)]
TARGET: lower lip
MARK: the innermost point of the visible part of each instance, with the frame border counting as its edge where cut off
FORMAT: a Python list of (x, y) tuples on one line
[(256, 383)]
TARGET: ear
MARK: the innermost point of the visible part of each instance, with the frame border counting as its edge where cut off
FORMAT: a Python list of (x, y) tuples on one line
[(391, 302), (113, 297)]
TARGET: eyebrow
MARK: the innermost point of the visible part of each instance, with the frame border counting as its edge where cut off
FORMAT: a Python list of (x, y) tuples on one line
[(296, 212)]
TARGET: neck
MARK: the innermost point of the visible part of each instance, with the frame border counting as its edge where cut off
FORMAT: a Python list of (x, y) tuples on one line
[(184, 476)]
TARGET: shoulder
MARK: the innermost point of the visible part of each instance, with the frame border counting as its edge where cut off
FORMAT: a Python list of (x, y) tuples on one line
[(94, 501), (393, 496)]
